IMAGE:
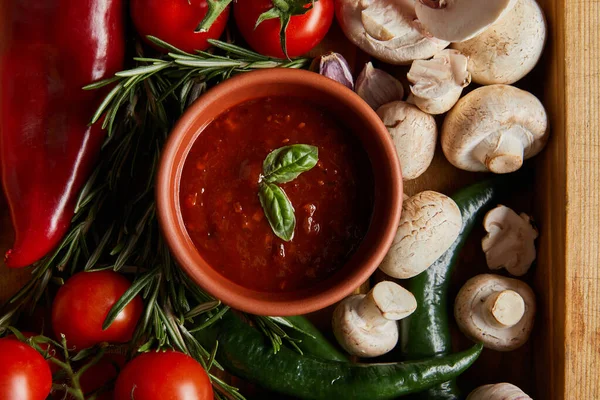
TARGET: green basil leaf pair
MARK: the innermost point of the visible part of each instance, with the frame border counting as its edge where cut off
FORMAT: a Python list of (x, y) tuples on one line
[(281, 166)]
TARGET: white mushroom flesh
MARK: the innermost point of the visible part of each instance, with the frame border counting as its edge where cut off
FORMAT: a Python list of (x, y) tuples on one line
[(387, 30), (494, 128), (414, 133), (510, 242), (365, 325), (510, 48), (495, 310), (429, 224), (458, 20), (499, 391), (438, 83)]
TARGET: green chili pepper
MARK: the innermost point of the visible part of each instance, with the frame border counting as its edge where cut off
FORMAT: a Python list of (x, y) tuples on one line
[(426, 332), (245, 352), (315, 345)]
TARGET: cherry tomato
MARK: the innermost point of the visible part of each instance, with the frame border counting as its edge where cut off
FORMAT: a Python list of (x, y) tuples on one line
[(46, 347), (168, 375), (303, 32), (24, 374), (82, 304), (175, 22)]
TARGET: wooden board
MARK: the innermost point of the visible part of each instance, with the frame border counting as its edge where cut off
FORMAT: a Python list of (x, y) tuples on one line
[(562, 360)]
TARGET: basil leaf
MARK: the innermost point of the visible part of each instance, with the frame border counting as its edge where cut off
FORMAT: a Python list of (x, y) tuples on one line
[(286, 163), (278, 209)]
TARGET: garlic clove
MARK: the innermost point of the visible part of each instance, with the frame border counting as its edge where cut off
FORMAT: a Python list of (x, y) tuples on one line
[(376, 87), (334, 66)]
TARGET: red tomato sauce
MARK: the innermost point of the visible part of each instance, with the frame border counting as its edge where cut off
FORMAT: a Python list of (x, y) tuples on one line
[(221, 210)]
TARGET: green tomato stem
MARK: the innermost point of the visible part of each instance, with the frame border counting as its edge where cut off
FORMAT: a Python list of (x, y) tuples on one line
[(215, 9)]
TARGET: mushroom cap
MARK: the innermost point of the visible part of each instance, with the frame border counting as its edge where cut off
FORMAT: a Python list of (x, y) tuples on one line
[(499, 391), (474, 319), (429, 224), (387, 30), (510, 240), (414, 133), (365, 325), (510, 48), (494, 128), (458, 20), (438, 83)]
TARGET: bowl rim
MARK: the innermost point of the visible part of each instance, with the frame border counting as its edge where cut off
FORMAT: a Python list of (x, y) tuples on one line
[(178, 240)]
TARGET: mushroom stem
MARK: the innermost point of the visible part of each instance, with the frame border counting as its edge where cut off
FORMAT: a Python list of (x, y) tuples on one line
[(504, 308), (434, 3), (369, 311), (387, 301), (502, 153)]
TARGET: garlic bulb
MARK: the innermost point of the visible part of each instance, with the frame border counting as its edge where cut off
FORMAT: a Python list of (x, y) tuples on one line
[(377, 87), (334, 66)]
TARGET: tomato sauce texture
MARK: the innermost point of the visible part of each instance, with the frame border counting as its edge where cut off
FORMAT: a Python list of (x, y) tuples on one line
[(221, 210)]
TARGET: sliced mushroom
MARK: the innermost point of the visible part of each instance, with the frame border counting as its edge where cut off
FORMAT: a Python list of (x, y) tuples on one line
[(499, 391), (414, 134), (387, 30), (508, 49), (438, 83), (458, 20), (429, 224), (365, 325), (494, 128), (376, 87), (495, 310), (510, 240)]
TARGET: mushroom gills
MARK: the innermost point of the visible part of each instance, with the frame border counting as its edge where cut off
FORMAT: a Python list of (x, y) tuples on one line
[(387, 30)]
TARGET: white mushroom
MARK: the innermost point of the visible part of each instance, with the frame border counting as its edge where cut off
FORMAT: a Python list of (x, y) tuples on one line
[(494, 128), (495, 310), (499, 391), (510, 240), (429, 224), (387, 30), (438, 83), (365, 325), (414, 134), (509, 48), (458, 20), (376, 87)]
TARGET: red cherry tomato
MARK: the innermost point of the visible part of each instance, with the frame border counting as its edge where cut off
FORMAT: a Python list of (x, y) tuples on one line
[(175, 22), (46, 347), (303, 32), (24, 374), (82, 304), (168, 375)]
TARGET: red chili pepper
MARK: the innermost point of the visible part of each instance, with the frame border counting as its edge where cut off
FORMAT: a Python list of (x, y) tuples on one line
[(49, 50)]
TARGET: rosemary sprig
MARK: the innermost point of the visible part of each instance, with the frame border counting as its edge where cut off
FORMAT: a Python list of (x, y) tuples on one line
[(178, 71), (115, 226)]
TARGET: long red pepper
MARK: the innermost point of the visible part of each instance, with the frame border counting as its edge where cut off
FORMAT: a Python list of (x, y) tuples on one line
[(49, 50)]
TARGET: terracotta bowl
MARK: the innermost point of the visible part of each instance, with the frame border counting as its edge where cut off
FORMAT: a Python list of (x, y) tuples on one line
[(346, 106)]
